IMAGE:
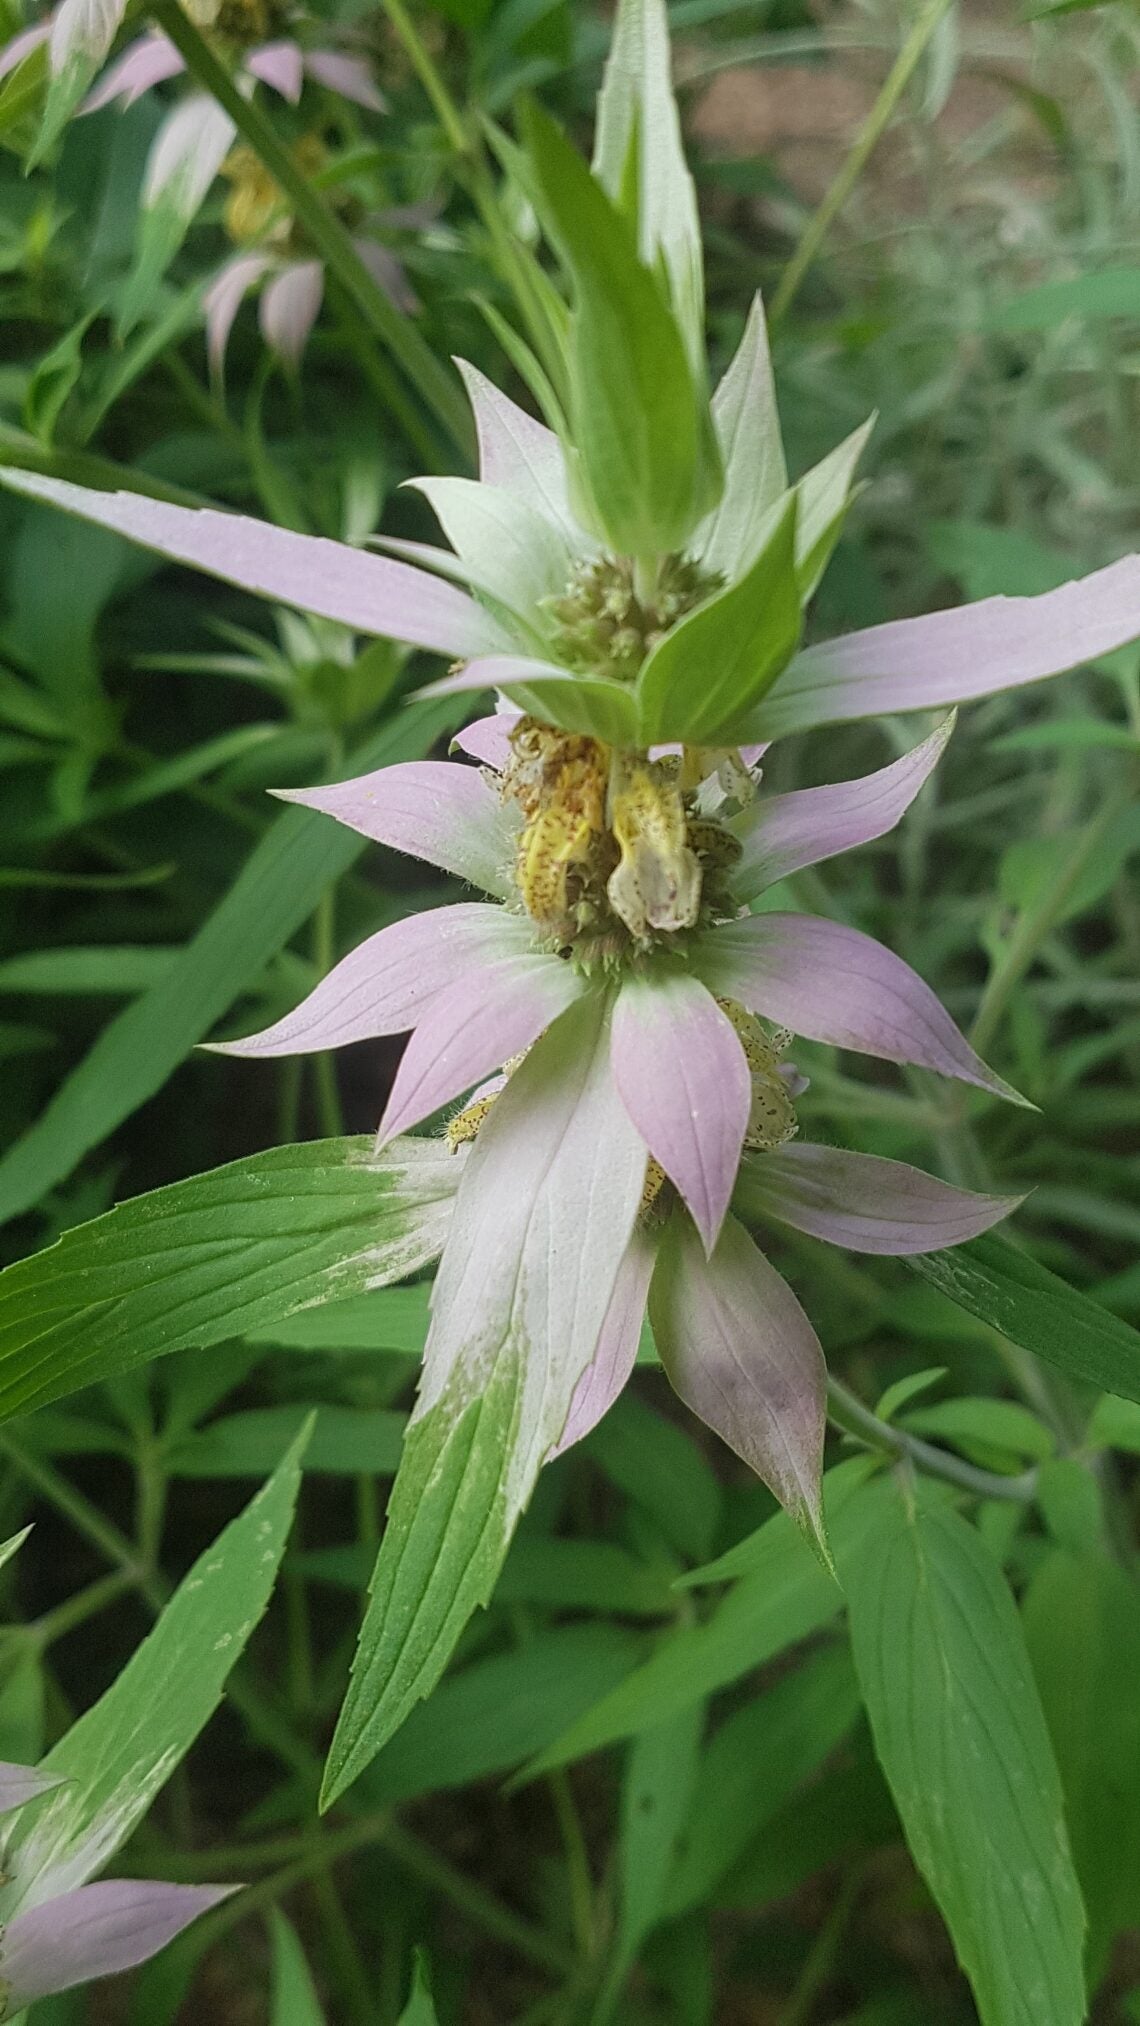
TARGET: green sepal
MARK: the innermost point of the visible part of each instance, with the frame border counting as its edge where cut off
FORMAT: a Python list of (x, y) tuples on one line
[(596, 707), (21, 96), (646, 463), (711, 669)]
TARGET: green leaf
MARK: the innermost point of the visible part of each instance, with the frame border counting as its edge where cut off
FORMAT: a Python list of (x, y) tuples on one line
[(1082, 1627), (390, 1319), (656, 1797), (345, 1442), (1023, 1301), (420, 2008), (639, 159), (274, 894), (824, 495), (54, 379), (1068, 1499), (1114, 292), (493, 1713), (896, 1396), (576, 1575), (707, 672), (444, 1544), (753, 1763), (199, 1261), (1115, 1424), (640, 422), (1000, 1435), (961, 1738), (662, 1470), (117, 971), (118, 1755), (21, 95), (294, 2001), (785, 1597), (747, 424)]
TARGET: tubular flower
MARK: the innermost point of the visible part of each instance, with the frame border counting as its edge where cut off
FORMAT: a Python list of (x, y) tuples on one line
[(62, 1931), (617, 954)]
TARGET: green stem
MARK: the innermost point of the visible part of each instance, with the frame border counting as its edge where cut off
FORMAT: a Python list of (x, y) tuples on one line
[(329, 1111), (577, 1861), (383, 381), (84, 1517), (866, 141), (849, 1413), (821, 1957), (435, 385), (345, 1957), (471, 1900), (443, 104)]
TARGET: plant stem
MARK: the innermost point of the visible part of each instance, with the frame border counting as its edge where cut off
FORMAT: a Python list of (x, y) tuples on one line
[(443, 104), (577, 1860), (84, 1517), (821, 1957), (77, 1610), (329, 1113), (866, 141), (345, 1956), (432, 381), (849, 1413)]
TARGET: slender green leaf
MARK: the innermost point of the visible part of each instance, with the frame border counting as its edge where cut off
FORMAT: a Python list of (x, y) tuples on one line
[(390, 1319), (420, 2008), (661, 1469), (708, 671), (1007, 1289), (1082, 1627), (640, 421), (345, 1442), (114, 1760), (117, 971), (656, 1797), (961, 1737), (198, 1261), (294, 2000)]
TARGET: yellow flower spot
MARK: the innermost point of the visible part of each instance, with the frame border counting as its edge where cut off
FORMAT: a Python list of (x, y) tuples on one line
[(657, 882), (772, 1121), (652, 1186), (255, 210), (558, 780)]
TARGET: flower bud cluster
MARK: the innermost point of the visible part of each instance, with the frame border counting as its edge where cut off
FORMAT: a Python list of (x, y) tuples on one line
[(607, 623)]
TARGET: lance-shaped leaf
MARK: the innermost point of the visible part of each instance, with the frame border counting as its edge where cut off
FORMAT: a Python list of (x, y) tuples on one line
[(639, 158), (199, 1261), (747, 425), (542, 1223), (114, 1760), (703, 678), (738, 1348), (960, 1735), (952, 657), (520, 455), (294, 2000), (1022, 1300), (648, 458)]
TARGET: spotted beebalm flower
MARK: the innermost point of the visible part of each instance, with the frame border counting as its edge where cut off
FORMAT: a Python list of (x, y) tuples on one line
[(619, 930), (290, 282), (63, 1931)]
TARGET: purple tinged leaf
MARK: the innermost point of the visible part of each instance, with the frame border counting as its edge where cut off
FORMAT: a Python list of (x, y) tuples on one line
[(438, 810), (22, 1783), (952, 657), (290, 306), (613, 1361), (489, 739), (682, 1076), (739, 1350), (542, 1219), (280, 66), (521, 455), (223, 299), (93, 1932), (387, 984), (865, 1203), (149, 61), (472, 1028), (187, 152), (369, 593), (783, 833), (831, 983), (348, 76)]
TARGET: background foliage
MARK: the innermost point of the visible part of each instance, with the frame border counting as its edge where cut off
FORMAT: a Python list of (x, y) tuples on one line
[(701, 1831)]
